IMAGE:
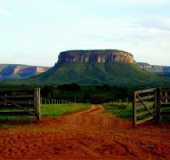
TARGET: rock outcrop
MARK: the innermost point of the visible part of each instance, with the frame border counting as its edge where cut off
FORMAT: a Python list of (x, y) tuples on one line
[(161, 70), (95, 56), (15, 71)]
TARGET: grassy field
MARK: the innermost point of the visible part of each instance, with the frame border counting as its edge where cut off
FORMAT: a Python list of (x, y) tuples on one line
[(123, 110), (54, 110)]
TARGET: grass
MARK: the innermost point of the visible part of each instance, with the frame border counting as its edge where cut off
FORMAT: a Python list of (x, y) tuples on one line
[(55, 110), (122, 110), (50, 110), (165, 113)]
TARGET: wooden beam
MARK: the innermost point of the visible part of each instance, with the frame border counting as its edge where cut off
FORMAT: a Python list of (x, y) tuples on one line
[(37, 103), (146, 98), (143, 113), (134, 110), (158, 104), (17, 97), (146, 91), (138, 108), (139, 98), (144, 120)]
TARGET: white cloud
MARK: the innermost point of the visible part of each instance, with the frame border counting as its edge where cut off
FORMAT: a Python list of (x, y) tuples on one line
[(161, 24), (4, 12), (147, 1), (131, 2)]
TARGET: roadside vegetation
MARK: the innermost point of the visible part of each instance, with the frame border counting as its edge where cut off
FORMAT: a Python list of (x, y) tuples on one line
[(120, 109), (55, 110)]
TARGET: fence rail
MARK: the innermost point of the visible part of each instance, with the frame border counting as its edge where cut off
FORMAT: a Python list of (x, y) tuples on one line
[(149, 104), (55, 101), (144, 106), (20, 103)]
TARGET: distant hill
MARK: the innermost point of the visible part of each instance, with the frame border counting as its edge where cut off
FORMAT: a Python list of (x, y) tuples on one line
[(98, 67), (160, 70), (94, 67), (17, 71)]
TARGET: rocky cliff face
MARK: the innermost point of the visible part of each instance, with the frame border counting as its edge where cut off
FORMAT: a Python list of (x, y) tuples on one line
[(95, 56), (15, 71), (161, 70)]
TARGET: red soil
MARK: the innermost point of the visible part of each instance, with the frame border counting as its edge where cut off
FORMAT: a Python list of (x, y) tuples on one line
[(87, 135)]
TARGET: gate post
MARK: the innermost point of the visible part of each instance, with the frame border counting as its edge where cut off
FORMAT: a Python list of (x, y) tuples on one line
[(37, 103), (157, 105), (134, 109)]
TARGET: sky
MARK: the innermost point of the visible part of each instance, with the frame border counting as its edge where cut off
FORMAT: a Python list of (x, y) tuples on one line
[(34, 32)]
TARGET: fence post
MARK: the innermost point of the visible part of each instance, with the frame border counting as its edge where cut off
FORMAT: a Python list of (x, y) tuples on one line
[(158, 104), (5, 99), (134, 109), (37, 103), (166, 97)]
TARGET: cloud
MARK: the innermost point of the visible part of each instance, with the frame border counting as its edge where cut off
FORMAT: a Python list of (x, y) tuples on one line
[(161, 24), (4, 12), (147, 1), (112, 3)]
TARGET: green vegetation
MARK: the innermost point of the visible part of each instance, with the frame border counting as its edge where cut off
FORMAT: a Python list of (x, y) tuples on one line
[(46, 110), (122, 110), (164, 110), (91, 83), (115, 74), (54, 110)]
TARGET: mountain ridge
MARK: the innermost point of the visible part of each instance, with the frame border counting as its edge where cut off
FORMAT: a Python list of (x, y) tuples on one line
[(97, 69), (158, 69), (95, 56), (19, 71)]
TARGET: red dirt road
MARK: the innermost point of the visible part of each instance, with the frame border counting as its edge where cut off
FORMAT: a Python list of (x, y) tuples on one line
[(87, 135)]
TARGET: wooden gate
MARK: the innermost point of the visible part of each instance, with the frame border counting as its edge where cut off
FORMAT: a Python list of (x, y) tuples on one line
[(164, 102), (20, 102), (145, 106)]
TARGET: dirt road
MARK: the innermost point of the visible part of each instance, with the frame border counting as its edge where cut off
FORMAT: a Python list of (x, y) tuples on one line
[(87, 135)]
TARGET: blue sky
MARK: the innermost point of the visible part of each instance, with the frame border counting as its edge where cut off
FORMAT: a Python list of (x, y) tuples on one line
[(35, 31)]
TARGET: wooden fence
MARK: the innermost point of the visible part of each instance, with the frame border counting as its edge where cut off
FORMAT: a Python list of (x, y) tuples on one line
[(164, 102), (20, 102), (55, 101), (144, 106), (149, 105)]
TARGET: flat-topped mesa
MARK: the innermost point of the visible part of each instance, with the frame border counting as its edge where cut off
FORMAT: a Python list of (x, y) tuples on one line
[(95, 56)]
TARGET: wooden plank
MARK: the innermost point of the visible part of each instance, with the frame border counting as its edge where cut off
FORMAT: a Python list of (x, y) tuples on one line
[(134, 110), (37, 103), (20, 103), (158, 104), (138, 108), (144, 120), (18, 113), (146, 98), (22, 106), (16, 102), (146, 91), (165, 105), (165, 89), (144, 104), (164, 98), (165, 113), (139, 114), (17, 97)]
